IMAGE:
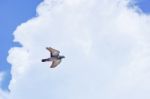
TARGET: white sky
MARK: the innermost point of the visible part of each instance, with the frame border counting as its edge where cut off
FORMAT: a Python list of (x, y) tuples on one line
[(106, 45)]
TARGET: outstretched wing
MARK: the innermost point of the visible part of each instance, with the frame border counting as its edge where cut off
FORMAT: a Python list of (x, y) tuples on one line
[(53, 52), (55, 63)]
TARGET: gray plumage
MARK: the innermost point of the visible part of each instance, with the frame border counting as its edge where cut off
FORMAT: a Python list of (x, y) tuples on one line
[(54, 57)]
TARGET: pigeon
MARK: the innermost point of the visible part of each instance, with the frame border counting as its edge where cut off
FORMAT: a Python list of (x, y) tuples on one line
[(54, 57)]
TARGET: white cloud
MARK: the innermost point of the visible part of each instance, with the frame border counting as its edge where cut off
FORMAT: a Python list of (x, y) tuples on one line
[(3, 94), (1, 77), (106, 45)]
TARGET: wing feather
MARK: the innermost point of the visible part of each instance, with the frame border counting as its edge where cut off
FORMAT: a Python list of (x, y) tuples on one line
[(55, 63), (53, 52)]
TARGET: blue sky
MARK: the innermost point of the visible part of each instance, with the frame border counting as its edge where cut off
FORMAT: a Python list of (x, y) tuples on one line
[(144, 5), (107, 49), (15, 12)]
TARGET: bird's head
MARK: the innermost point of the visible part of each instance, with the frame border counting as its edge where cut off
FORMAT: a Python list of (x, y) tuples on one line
[(61, 57)]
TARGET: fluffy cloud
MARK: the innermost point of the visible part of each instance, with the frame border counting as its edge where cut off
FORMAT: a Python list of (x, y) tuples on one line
[(1, 77), (3, 95), (106, 45)]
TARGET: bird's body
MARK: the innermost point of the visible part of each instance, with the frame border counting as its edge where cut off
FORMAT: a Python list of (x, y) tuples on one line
[(54, 57)]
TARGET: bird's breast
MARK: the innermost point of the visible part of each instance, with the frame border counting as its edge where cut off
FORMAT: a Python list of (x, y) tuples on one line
[(53, 59)]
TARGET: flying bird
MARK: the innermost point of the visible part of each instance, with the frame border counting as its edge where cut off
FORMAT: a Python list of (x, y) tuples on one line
[(54, 57)]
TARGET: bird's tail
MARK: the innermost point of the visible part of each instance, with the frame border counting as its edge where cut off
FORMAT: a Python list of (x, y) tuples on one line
[(44, 60)]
